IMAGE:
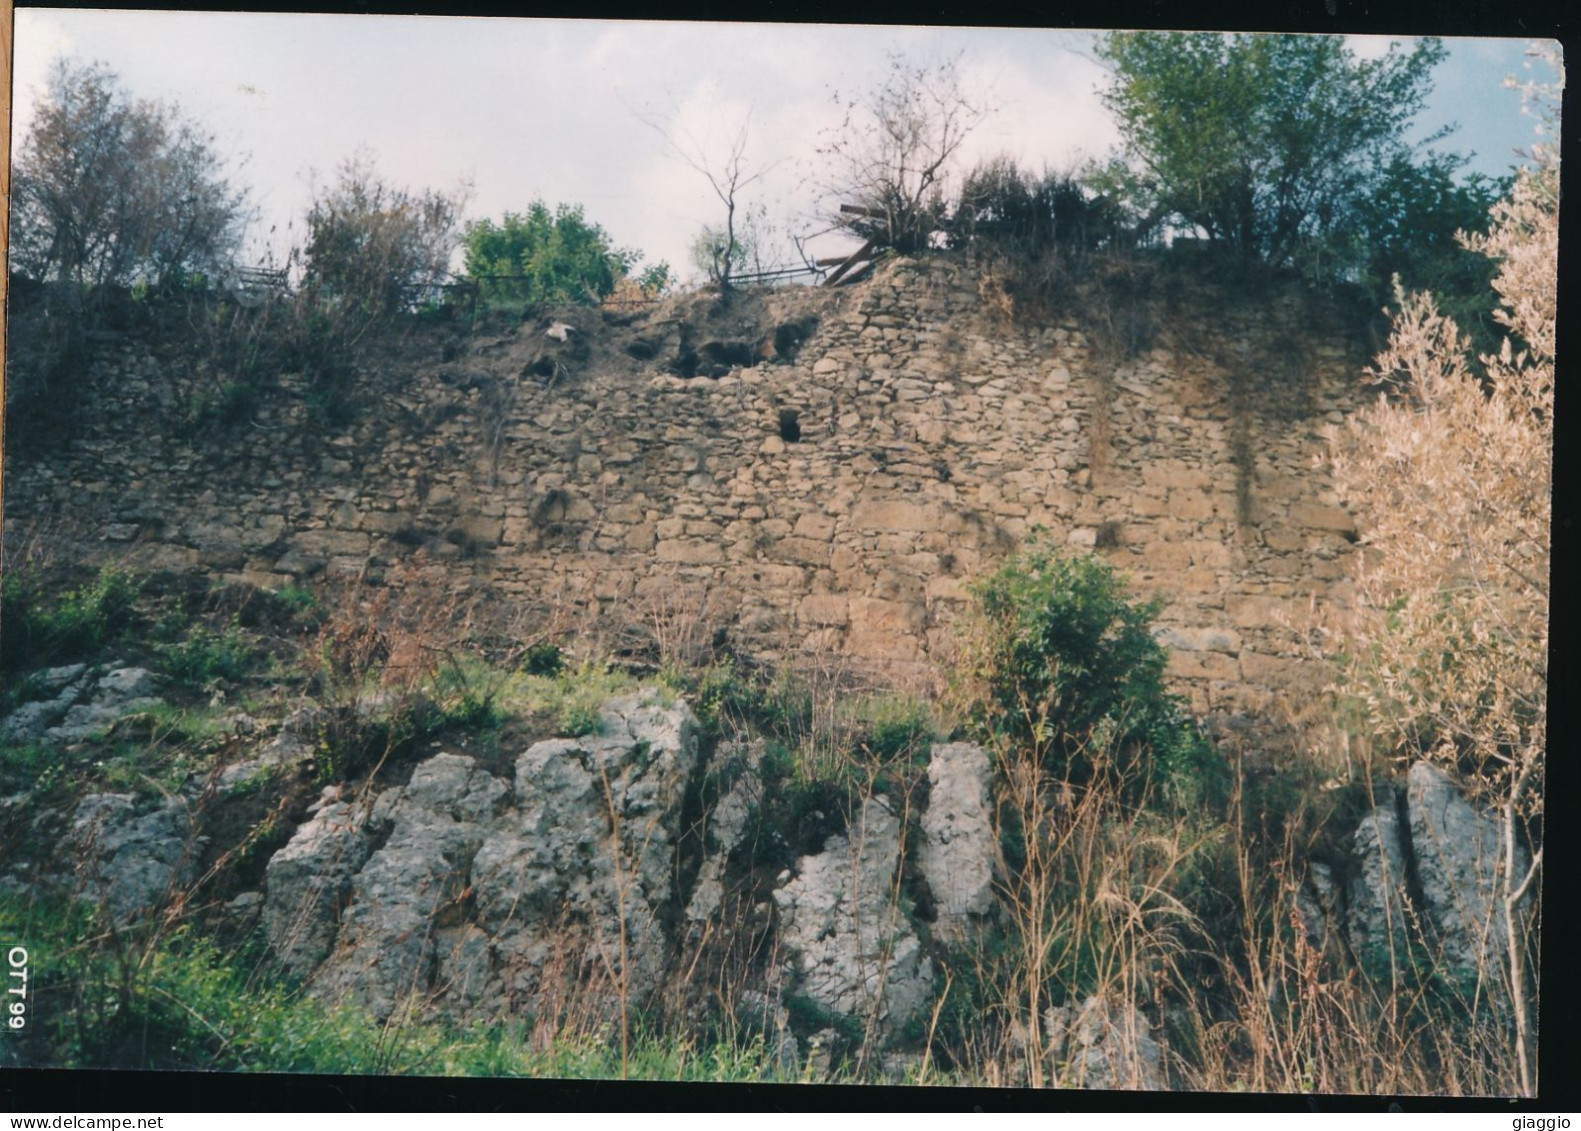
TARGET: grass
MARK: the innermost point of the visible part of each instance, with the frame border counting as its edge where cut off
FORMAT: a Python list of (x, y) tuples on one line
[(47, 624), (1131, 888)]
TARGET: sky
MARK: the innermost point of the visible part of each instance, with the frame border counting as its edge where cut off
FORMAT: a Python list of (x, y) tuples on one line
[(588, 112)]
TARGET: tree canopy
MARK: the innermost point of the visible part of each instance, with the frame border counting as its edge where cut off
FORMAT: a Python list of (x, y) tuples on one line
[(370, 243), (895, 150), (1287, 147), (112, 189), (550, 256)]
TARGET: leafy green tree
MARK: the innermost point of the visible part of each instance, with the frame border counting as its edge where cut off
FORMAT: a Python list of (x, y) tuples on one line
[(1409, 228), (114, 190), (1273, 144), (550, 256)]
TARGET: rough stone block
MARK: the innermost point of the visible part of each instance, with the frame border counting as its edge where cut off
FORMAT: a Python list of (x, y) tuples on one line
[(1316, 516), (888, 616), (689, 552), (1257, 667), (1167, 556), (824, 609), (900, 515), (803, 551), (816, 526), (1202, 665)]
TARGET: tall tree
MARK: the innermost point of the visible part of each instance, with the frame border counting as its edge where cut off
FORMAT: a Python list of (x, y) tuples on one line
[(369, 242), (1270, 143), (110, 189), (553, 256)]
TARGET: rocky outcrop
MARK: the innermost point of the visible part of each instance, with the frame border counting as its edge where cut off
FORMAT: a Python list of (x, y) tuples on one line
[(726, 825), (1375, 909), (78, 703), (1460, 863), (132, 858), (388, 946), (1424, 898), (308, 882), (959, 849), (1103, 1044), (459, 889), (851, 950)]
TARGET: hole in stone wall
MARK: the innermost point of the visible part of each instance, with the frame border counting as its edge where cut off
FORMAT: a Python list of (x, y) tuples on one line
[(685, 363), (789, 337), (733, 354), (642, 349), (790, 426), (1108, 536)]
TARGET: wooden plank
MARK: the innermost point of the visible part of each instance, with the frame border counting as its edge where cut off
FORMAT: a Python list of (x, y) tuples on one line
[(862, 253), (856, 276), (859, 210)]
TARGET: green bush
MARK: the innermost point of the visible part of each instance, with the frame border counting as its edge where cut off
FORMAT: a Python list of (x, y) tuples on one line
[(206, 656), (543, 658), (1064, 662), (39, 627)]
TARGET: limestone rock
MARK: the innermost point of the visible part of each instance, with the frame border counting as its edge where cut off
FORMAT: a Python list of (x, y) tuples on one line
[(726, 827), (851, 949), (958, 844), (1104, 1044), (584, 860), (457, 890), (1460, 866), (133, 861), (1317, 908), (1429, 870), (118, 692), (433, 827), (308, 881), (1376, 898), (63, 687)]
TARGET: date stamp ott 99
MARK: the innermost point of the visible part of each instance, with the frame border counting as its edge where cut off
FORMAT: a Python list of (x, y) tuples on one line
[(16, 989)]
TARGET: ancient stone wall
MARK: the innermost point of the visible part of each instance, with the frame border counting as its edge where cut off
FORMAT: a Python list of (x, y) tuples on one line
[(833, 495)]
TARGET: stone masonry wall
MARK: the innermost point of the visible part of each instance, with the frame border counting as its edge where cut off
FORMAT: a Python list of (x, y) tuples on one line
[(837, 501)]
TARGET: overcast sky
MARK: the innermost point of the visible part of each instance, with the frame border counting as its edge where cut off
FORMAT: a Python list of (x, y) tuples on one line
[(526, 109)]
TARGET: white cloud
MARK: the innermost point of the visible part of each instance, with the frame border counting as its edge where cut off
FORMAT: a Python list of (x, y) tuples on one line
[(1371, 46), (534, 108)]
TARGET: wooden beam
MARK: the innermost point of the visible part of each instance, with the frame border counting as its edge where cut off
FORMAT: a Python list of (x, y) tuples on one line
[(859, 210), (862, 253)]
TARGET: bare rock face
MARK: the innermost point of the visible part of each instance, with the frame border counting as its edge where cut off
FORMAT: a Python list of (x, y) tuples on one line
[(308, 882), (433, 826), (726, 825), (1104, 1044), (958, 844), (132, 860), (78, 705), (581, 871), (464, 891), (1376, 904), (851, 949), (1460, 861), (1426, 896)]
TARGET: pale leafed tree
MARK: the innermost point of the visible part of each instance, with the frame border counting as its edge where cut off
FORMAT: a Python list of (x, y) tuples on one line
[(114, 189), (1447, 648)]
